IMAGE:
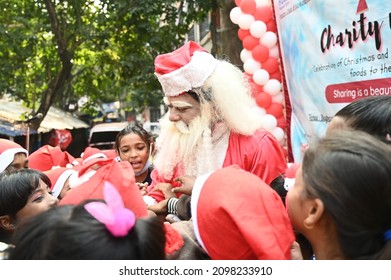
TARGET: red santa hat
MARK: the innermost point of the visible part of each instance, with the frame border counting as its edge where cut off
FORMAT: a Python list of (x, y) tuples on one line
[(48, 157), (238, 216), (111, 153), (92, 153), (58, 177), (119, 174), (362, 7), (8, 150), (184, 69)]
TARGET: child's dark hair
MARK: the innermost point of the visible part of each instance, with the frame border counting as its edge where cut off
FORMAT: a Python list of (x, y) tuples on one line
[(350, 171), (16, 186), (371, 114), (70, 232)]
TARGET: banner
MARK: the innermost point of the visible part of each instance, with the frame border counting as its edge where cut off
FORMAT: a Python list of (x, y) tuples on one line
[(333, 52)]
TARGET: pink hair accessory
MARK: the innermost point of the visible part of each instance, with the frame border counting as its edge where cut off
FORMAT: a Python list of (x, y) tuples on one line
[(113, 214)]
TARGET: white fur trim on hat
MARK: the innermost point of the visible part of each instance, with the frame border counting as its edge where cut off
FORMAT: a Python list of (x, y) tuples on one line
[(75, 180), (192, 75), (7, 157), (94, 156), (58, 186), (195, 195)]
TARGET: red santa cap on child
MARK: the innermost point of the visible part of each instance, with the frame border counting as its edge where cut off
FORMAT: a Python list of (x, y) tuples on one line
[(48, 157), (238, 216), (110, 153), (184, 69), (91, 153), (119, 174), (58, 177), (8, 150)]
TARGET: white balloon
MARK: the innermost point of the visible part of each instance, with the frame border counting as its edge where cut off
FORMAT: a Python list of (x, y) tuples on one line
[(245, 55), (274, 52), (269, 122), (261, 76), (279, 133), (261, 3), (251, 65), (245, 21), (262, 110), (272, 87), (278, 98), (269, 39), (235, 14), (258, 29)]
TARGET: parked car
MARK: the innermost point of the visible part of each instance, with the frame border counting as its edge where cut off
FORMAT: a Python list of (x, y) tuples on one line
[(102, 136)]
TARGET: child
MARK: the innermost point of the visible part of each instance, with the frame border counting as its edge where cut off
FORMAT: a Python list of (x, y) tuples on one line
[(23, 193), (135, 145), (94, 230), (371, 114), (61, 179), (341, 199), (12, 155), (237, 216)]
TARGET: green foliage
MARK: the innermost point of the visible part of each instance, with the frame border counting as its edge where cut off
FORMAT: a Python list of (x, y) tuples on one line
[(109, 44)]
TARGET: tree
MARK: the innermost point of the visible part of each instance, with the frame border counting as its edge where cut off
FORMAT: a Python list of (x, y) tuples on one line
[(225, 33), (54, 52)]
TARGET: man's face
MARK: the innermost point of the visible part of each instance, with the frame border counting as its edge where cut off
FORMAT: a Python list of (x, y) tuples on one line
[(183, 108)]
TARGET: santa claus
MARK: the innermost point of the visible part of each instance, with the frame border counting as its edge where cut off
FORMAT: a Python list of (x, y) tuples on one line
[(212, 121)]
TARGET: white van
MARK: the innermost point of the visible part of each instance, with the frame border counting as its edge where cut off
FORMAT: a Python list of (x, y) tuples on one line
[(102, 136), (153, 128)]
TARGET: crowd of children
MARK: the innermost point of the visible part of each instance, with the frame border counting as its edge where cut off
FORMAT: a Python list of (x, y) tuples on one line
[(119, 204)]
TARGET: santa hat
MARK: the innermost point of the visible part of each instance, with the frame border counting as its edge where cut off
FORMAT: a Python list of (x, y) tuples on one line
[(92, 153), (48, 157), (290, 175), (111, 153), (58, 177), (238, 216), (119, 174), (8, 150), (362, 7), (184, 69)]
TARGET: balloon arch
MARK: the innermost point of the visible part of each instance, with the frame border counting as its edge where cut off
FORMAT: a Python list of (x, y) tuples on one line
[(261, 61)]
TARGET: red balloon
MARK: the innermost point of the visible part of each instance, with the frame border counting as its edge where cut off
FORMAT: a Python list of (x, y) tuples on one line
[(276, 75), (242, 33), (260, 53), (275, 109), (263, 13), (237, 2), (271, 26), (270, 65), (263, 100), (60, 137), (248, 6), (250, 42)]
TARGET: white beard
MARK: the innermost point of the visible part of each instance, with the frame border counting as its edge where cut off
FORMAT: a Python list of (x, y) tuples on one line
[(185, 147)]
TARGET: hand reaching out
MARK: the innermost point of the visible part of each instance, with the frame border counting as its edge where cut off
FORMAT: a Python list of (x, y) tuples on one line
[(187, 184)]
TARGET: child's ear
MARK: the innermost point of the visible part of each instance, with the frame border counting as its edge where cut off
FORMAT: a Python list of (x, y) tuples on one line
[(6, 222), (315, 213)]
